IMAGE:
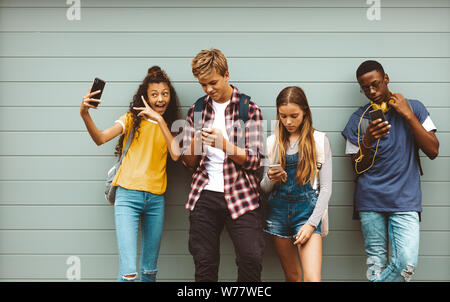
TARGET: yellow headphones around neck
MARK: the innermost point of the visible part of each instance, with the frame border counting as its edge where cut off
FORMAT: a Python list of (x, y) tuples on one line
[(383, 106)]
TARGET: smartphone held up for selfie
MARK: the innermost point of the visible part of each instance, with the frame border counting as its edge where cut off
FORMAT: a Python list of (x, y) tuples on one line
[(98, 84)]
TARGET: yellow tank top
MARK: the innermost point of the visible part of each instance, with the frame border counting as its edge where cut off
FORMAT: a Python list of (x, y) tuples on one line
[(144, 166)]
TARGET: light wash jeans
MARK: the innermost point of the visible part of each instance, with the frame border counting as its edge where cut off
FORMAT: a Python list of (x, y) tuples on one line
[(401, 229), (130, 205)]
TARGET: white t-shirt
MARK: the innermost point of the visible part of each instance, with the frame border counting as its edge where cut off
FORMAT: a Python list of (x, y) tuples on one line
[(215, 157)]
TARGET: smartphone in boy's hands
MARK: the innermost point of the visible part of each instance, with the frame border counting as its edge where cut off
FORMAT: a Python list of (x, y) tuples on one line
[(98, 84), (377, 114)]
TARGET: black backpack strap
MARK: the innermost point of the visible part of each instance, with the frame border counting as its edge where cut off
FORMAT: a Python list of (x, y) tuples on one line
[(243, 107), (244, 103), (198, 111)]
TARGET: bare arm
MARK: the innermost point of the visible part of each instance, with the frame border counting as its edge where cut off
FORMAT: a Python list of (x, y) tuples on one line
[(425, 140), (99, 137)]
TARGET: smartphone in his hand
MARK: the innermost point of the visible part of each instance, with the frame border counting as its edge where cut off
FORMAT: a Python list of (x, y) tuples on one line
[(98, 84), (377, 114)]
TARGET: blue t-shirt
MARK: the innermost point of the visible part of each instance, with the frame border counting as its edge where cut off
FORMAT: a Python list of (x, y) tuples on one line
[(393, 182)]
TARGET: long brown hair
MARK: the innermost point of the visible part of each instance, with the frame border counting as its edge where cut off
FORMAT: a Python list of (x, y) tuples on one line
[(154, 75), (306, 166)]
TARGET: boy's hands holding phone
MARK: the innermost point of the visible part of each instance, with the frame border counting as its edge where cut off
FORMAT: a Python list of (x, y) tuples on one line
[(213, 138), (276, 173), (378, 128)]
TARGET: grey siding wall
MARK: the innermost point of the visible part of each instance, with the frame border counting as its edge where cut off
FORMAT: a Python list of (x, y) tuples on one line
[(51, 173)]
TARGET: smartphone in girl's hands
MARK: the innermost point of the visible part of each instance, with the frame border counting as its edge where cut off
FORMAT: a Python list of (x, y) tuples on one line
[(276, 167), (98, 84)]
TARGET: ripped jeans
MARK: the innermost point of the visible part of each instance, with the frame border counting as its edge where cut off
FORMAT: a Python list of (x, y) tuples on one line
[(401, 229), (131, 207)]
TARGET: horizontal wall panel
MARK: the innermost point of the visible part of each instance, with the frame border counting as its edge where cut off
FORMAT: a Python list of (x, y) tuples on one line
[(68, 119), (88, 192), (256, 44), (106, 266), (93, 242), (53, 143), (429, 222), (244, 19), (93, 168), (228, 3), (61, 168), (102, 218), (345, 243), (56, 94), (91, 192), (241, 69), (52, 175), (80, 143)]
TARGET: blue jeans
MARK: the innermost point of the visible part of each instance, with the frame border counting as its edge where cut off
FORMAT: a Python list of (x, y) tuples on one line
[(401, 229), (130, 205)]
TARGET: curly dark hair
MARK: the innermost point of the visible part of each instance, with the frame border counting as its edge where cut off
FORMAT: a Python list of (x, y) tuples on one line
[(155, 75)]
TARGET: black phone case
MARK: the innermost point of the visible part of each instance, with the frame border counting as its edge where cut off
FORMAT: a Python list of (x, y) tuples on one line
[(98, 84), (376, 114)]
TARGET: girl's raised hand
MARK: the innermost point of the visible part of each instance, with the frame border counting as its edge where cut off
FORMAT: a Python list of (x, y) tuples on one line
[(147, 112), (87, 101)]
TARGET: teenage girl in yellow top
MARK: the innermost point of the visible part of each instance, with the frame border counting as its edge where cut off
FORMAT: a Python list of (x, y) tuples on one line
[(142, 178)]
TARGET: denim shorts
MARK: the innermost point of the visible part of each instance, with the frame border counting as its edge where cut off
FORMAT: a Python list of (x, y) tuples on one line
[(285, 218)]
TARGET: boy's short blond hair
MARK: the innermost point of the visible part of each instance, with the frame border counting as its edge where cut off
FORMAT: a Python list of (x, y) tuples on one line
[(208, 61)]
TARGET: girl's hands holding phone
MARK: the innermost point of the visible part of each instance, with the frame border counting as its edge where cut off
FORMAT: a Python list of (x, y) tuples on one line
[(276, 174), (87, 101)]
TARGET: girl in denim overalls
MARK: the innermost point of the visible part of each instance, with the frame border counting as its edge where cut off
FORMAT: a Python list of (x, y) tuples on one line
[(295, 209)]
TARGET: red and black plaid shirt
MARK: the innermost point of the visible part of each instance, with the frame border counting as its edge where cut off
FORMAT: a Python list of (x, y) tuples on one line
[(240, 182)]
